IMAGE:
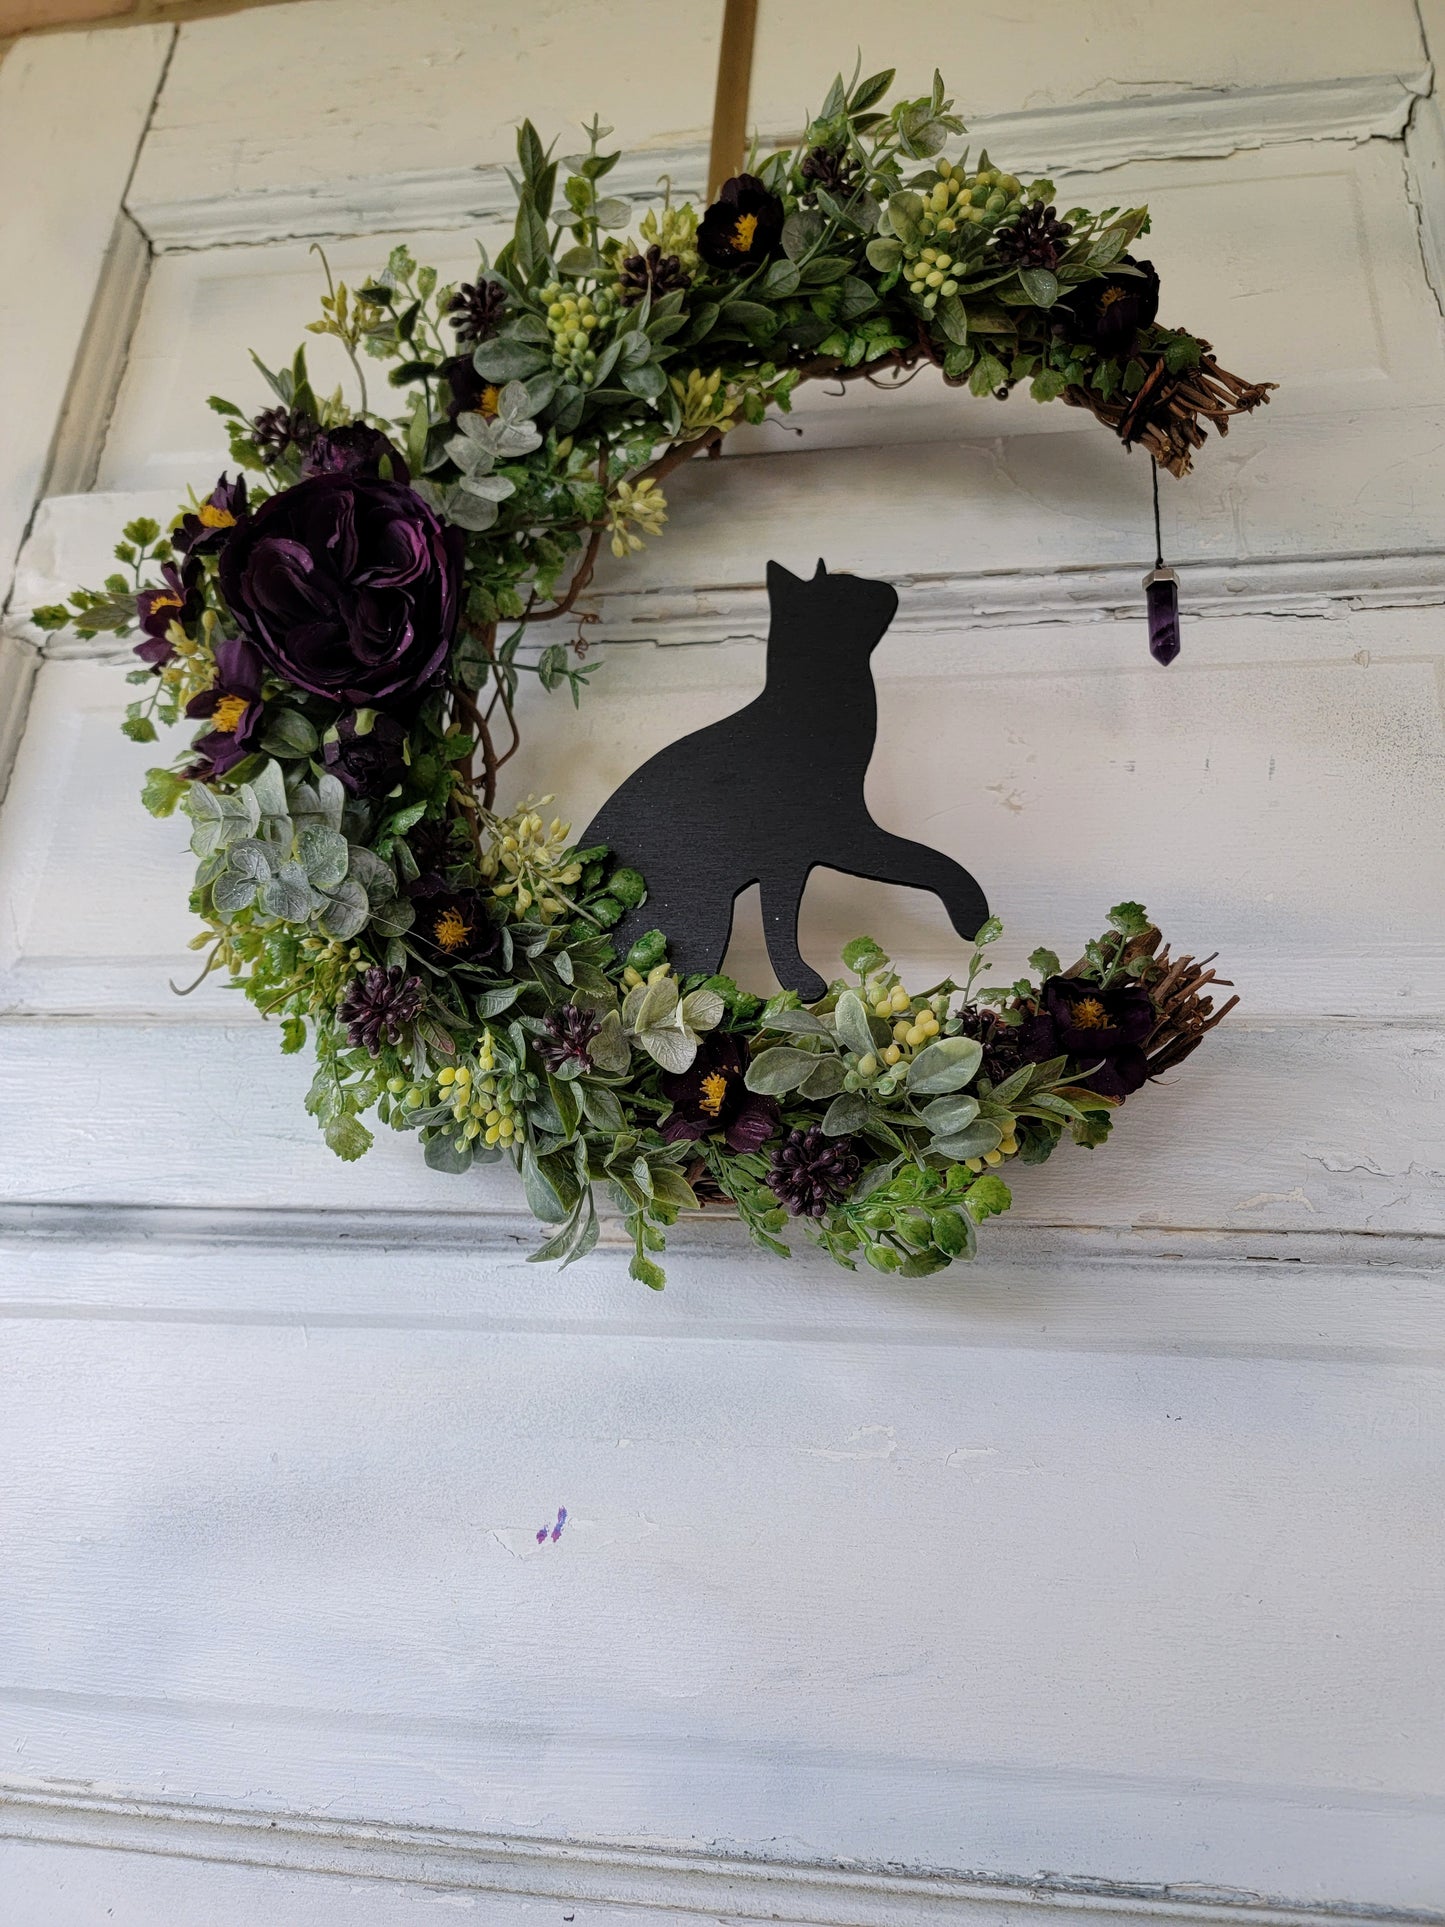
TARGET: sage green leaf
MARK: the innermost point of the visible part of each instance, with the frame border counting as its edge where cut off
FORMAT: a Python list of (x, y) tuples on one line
[(981, 1136), (669, 1186), (854, 1029), (331, 797), (231, 892), (779, 1070), (346, 910), (669, 1046), (544, 1199), (952, 319), (601, 1108), (393, 916), (946, 1114), (288, 895), (509, 360), (883, 253), (613, 212), (445, 1154), (905, 210), (609, 1048), (1041, 285), (324, 856), (702, 1009), (799, 1023), (825, 1079), (657, 1005), (289, 733), (269, 789), (848, 1112), (944, 1065)]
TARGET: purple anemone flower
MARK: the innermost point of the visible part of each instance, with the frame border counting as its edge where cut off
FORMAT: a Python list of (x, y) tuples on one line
[(206, 530), (175, 598), (710, 1095), (1102, 1029), (233, 706), (349, 587)]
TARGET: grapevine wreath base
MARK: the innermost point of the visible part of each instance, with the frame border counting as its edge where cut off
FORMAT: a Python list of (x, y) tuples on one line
[(350, 618)]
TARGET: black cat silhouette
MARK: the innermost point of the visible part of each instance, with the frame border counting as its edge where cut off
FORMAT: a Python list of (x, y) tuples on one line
[(775, 791)]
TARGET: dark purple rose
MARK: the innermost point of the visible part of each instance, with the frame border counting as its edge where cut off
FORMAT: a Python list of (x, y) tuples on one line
[(355, 449), (367, 764), (206, 530), (349, 587), (1102, 1029), (710, 1095), (1109, 311), (233, 705), (743, 225), (175, 598)]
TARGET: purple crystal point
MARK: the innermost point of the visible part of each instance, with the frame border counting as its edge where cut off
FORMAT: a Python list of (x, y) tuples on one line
[(1161, 593)]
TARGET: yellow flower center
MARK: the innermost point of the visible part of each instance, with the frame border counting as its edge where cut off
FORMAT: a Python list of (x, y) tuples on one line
[(714, 1090), (213, 518), (165, 602), (228, 713), (451, 929), (490, 401), (744, 228), (1090, 1014), (1110, 296)]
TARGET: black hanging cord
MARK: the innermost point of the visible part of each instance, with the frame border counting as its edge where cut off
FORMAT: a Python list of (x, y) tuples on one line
[(1158, 538)]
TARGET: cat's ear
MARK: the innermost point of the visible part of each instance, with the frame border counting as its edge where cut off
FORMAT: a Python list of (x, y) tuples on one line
[(781, 581), (821, 570)]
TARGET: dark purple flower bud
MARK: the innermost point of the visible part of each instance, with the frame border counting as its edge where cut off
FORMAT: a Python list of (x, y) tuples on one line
[(810, 1172), (476, 309), (743, 225), (233, 706), (711, 1095), (470, 392), (356, 449), (349, 587), (570, 1030), (206, 530), (1161, 596), (370, 762), (380, 1005)]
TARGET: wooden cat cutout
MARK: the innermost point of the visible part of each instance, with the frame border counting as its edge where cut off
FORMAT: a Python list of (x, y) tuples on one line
[(775, 791)]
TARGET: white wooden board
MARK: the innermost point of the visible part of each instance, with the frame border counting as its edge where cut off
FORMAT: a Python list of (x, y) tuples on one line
[(1103, 1577)]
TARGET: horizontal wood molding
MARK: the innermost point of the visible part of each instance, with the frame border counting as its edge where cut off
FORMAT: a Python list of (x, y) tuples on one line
[(1092, 137), (678, 1885)]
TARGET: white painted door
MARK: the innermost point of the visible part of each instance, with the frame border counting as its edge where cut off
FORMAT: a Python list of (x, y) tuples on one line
[(1104, 1577)]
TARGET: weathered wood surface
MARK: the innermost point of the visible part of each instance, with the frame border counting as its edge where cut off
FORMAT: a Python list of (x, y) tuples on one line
[(1112, 1560)]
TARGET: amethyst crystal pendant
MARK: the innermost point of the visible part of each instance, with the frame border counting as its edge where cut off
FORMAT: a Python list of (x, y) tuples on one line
[(1161, 594)]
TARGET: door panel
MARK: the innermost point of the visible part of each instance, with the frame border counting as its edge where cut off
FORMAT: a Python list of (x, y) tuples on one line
[(1103, 1575)]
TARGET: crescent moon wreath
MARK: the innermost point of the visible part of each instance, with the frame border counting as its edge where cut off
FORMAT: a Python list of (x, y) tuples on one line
[(350, 618)]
